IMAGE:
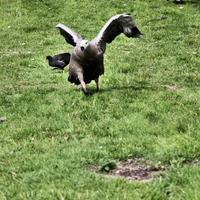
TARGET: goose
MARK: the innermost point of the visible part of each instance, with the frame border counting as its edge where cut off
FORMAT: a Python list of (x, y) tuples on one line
[(86, 61)]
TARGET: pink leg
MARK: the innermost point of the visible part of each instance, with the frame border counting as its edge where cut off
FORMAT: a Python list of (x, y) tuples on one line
[(83, 85)]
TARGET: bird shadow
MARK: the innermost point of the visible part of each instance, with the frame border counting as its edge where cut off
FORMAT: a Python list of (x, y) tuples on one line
[(187, 2), (195, 3), (136, 87)]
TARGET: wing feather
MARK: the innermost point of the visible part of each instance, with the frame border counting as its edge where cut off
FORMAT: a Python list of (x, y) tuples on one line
[(70, 36), (122, 23)]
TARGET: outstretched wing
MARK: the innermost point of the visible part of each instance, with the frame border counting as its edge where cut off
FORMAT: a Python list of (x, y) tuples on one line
[(70, 36), (122, 23)]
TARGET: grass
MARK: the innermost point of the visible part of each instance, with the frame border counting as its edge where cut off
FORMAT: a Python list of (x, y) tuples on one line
[(148, 105)]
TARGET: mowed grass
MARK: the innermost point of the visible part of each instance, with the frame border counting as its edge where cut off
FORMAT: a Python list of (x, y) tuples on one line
[(148, 106)]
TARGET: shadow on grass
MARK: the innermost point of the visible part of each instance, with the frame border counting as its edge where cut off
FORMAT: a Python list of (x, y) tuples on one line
[(138, 86), (129, 87), (195, 3), (189, 2)]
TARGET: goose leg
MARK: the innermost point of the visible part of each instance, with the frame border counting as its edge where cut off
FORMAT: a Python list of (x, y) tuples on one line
[(84, 88), (83, 85), (97, 84)]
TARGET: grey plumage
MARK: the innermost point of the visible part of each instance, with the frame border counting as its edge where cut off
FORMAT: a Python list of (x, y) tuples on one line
[(86, 61)]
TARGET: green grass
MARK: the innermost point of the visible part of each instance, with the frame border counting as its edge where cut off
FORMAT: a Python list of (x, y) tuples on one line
[(53, 133)]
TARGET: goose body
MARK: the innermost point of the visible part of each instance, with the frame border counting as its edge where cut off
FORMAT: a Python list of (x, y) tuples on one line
[(87, 58)]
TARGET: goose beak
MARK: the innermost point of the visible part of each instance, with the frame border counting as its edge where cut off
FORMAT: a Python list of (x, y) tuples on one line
[(83, 45)]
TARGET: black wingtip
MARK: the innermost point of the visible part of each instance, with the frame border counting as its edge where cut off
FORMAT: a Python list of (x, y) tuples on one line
[(136, 32), (48, 57)]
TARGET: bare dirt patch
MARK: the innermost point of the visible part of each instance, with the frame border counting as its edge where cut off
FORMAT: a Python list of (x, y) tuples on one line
[(132, 169), (2, 119), (171, 87)]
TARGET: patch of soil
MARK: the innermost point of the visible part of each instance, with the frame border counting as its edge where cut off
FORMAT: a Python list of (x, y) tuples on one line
[(2, 119), (132, 169), (171, 87)]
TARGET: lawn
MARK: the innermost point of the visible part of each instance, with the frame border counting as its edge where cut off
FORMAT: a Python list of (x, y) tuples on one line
[(148, 106)]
